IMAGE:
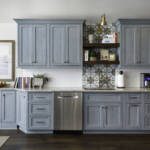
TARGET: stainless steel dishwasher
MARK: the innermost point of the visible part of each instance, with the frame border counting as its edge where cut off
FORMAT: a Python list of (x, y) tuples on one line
[(68, 111)]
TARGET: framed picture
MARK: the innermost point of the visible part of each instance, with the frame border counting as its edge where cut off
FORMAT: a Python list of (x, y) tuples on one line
[(7, 60), (104, 54)]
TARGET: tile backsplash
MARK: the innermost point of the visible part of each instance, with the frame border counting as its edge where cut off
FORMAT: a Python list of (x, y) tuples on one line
[(98, 76)]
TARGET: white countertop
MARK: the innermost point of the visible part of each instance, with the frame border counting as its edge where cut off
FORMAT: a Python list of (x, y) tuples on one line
[(80, 89)]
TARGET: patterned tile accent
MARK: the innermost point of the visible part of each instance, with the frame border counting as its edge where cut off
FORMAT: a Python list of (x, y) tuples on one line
[(99, 76)]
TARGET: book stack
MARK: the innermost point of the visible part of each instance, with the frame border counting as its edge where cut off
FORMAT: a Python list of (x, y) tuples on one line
[(23, 82)]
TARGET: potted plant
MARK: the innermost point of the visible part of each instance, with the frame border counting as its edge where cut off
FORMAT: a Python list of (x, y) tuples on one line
[(39, 80)]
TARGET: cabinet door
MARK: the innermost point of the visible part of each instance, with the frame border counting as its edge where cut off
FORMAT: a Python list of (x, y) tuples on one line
[(59, 45), (147, 116), (113, 116), (18, 97), (33, 45), (145, 45), (134, 112), (26, 45), (40, 53), (93, 117), (23, 116), (74, 42), (8, 109), (130, 45)]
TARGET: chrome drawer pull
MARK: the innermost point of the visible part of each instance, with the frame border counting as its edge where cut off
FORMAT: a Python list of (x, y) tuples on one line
[(134, 97), (40, 122), (135, 105), (41, 109)]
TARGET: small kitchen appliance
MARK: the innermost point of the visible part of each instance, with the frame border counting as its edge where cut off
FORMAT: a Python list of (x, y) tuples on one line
[(120, 79), (145, 80)]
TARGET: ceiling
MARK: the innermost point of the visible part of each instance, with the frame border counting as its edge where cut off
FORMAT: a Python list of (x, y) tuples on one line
[(84, 9)]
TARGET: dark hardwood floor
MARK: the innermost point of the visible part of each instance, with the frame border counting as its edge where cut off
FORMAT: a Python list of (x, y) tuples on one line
[(21, 141)]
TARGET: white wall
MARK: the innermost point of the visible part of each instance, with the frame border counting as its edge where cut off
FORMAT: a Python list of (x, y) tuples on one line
[(87, 9)]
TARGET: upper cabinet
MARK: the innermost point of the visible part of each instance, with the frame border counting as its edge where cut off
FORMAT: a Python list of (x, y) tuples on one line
[(134, 42), (66, 44), (49, 43), (32, 45)]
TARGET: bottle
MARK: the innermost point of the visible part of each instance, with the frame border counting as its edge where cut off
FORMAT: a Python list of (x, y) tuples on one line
[(86, 55)]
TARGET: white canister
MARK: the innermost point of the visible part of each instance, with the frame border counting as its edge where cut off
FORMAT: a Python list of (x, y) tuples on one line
[(120, 79), (91, 38)]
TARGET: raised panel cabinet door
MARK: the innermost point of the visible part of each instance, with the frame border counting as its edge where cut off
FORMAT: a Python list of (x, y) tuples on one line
[(147, 116), (18, 97), (8, 108), (40, 53), (134, 118), (59, 48), (26, 45), (145, 45), (93, 117), (113, 116), (23, 110), (130, 45), (74, 44)]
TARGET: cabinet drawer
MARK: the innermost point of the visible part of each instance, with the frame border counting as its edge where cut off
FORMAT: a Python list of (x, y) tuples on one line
[(39, 123), (39, 109), (40, 97), (102, 98), (146, 97), (134, 97)]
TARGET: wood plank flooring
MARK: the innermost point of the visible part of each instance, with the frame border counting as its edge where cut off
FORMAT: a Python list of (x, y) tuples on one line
[(21, 141)]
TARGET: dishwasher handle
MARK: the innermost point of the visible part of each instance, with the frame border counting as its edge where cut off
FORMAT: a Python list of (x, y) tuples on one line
[(64, 97)]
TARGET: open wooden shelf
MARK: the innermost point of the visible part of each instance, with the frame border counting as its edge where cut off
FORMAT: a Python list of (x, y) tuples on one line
[(101, 45), (101, 62)]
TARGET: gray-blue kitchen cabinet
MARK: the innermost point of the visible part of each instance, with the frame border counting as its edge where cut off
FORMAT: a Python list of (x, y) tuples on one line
[(8, 109), (32, 44), (58, 44), (22, 109), (66, 44), (41, 108), (134, 111), (35, 112), (134, 48), (102, 112), (145, 45), (146, 113), (131, 45), (49, 43)]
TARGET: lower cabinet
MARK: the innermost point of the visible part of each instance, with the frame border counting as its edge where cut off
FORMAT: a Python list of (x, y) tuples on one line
[(133, 116), (116, 112), (103, 113), (35, 112), (22, 110), (8, 109), (146, 116), (133, 111)]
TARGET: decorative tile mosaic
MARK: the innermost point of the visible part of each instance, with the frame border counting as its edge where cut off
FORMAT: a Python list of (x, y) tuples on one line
[(99, 76)]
